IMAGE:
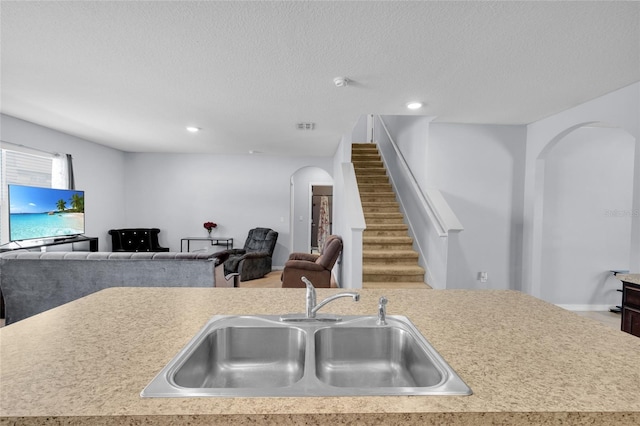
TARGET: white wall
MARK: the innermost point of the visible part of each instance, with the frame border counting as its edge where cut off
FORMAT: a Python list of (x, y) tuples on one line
[(620, 109), (99, 171), (411, 134), (179, 192), (176, 193), (479, 170), (587, 205), (359, 133), (348, 218)]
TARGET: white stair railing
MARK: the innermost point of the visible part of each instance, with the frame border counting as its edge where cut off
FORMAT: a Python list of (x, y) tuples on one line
[(431, 199), (432, 223)]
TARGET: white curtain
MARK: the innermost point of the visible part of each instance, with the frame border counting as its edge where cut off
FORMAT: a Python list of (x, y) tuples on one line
[(62, 172)]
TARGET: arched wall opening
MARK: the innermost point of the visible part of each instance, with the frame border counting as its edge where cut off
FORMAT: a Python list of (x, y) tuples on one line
[(301, 182), (583, 215)]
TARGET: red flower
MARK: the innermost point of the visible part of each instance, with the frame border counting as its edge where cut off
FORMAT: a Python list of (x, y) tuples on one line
[(210, 225)]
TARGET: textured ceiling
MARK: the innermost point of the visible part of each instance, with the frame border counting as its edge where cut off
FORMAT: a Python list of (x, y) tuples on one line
[(132, 74)]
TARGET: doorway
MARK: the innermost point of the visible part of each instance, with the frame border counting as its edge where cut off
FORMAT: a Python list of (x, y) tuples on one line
[(302, 183), (584, 198), (321, 215)]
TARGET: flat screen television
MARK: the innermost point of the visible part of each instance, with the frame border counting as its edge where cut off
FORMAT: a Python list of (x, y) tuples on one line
[(37, 213)]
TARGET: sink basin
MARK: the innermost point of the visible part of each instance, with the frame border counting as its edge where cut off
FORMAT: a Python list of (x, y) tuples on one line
[(247, 356), (244, 357), (373, 358)]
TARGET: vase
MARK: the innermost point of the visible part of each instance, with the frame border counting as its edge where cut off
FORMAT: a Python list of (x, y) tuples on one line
[(209, 232)]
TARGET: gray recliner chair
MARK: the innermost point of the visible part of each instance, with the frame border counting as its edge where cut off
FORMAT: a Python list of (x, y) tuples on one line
[(254, 260)]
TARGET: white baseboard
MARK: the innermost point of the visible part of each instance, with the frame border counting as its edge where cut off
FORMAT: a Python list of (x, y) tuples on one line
[(580, 308)]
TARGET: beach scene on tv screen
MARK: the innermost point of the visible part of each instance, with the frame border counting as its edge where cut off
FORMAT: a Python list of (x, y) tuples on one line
[(44, 212)]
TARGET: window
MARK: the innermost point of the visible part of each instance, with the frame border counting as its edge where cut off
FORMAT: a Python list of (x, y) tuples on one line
[(23, 166)]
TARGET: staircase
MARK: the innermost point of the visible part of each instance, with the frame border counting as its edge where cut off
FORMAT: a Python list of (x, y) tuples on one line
[(388, 258)]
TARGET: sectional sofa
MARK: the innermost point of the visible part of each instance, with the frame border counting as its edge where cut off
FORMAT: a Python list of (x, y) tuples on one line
[(33, 282)]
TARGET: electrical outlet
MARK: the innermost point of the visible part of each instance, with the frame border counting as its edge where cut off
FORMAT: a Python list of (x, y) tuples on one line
[(483, 277)]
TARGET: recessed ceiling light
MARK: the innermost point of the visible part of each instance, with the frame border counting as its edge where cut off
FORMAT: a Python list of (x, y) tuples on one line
[(414, 105), (193, 129)]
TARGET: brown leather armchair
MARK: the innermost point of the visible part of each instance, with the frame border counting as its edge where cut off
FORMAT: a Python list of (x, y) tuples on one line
[(317, 268)]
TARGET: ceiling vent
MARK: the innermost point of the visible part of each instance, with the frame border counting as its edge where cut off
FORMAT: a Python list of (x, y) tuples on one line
[(305, 126)]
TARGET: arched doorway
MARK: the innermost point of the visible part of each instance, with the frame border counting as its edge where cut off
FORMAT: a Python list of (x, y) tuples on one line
[(583, 213), (302, 183)]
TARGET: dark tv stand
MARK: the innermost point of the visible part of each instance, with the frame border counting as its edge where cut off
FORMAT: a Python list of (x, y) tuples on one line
[(93, 243)]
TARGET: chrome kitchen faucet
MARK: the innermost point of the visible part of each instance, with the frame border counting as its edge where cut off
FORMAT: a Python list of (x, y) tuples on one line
[(312, 308)]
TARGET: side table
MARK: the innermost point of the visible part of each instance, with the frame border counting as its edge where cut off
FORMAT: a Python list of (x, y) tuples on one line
[(215, 241)]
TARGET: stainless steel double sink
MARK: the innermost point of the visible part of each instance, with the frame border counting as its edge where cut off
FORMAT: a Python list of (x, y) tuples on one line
[(250, 356)]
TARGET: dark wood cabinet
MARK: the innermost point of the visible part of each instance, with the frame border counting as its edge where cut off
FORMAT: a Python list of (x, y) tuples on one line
[(631, 308)]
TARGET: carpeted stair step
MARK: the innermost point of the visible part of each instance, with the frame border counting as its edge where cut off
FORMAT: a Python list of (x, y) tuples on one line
[(378, 244), (380, 206), (386, 230), (374, 234), (382, 221), (363, 146), (364, 151), (384, 217), (378, 197), (368, 187), (367, 161), (369, 169), (374, 191), (392, 273), (377, 171), (389, 257), (372, 179), (390, 243), (394, 285)]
